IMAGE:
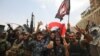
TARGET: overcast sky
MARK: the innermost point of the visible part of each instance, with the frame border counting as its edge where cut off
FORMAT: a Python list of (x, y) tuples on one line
[(17, 11)]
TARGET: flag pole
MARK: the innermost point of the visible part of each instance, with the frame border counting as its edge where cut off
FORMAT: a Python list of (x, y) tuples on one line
[(69, 13), (68, 24), (69, 18)]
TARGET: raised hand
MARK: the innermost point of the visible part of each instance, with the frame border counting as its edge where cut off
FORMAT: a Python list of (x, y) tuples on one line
[(50, 45), (40, 23), (79, 29)]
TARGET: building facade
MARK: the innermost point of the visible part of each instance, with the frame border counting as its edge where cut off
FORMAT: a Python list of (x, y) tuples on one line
[(92, 14)]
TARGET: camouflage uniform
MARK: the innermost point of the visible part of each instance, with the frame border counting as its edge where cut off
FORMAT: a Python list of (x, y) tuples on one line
[(51, 52), (4, 45), (15, 49), (37, 47), (27, 48), (60, 50)]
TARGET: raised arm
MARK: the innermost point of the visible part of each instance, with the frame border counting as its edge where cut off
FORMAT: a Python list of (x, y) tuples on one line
[(39, 24), (66, 47), (87, 36)]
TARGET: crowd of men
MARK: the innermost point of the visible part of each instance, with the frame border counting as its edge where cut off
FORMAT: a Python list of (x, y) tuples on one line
[(45, 43)]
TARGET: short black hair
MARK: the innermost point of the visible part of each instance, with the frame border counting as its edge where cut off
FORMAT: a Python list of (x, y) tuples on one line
[(52, 32), (78, 33), (39, 33)]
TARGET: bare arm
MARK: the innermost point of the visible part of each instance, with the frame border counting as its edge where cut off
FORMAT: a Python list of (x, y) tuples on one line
[(39, 24), (66, 47), (87, 36)]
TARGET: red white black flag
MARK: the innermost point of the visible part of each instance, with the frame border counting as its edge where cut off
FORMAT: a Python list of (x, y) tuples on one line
[(63, 9)]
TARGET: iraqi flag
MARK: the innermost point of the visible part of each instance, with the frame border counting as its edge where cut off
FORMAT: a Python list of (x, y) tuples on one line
[(59, 26), (64, 9)]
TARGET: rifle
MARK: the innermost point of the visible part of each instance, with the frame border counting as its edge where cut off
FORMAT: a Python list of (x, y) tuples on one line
[(10, 26)]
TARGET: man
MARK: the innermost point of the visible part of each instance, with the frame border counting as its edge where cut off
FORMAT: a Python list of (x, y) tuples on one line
[(59, 48), (38, 45), (15, 50), (26, 48), (78, 46), (4, 44), (51, 51)]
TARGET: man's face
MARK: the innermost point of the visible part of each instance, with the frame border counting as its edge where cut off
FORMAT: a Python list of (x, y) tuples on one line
[(52, 35), (72, 35), (26, 36), (21, 36), (39, 37), (78, 35), (94, 31), (58, 42)]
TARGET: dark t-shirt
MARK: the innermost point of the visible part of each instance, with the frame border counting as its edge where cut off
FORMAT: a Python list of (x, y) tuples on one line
[(60, 50)]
